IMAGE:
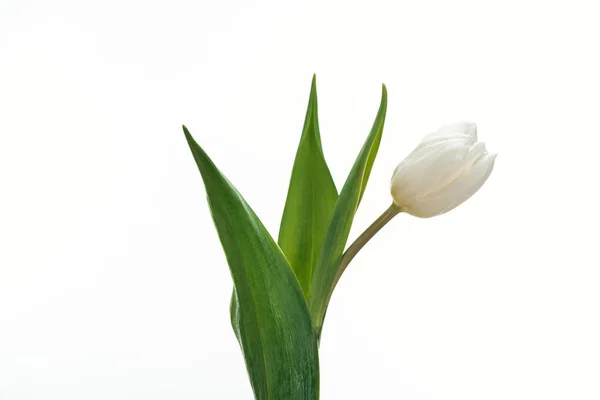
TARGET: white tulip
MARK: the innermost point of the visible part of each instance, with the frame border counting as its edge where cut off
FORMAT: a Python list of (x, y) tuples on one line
[(447, 168)]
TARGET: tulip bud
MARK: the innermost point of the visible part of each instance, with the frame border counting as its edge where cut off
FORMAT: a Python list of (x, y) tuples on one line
[(447, 168)]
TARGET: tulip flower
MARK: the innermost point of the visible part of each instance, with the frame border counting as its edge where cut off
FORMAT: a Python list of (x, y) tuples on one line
[(445, 170)]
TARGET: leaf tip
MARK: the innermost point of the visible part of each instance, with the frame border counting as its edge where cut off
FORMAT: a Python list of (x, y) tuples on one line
[(197, 151), (190, 139), (313, 86), (186, 132)]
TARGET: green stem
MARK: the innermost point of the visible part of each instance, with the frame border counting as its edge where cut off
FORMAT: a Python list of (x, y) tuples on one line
[(359, 243), (354, 248)]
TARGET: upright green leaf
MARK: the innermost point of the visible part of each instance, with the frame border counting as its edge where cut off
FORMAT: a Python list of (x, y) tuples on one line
[(310, 200), (270, 314), (324, 278)]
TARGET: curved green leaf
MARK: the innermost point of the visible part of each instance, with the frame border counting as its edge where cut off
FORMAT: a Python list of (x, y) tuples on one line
[(269, 311), (310, 200), (324, 277)]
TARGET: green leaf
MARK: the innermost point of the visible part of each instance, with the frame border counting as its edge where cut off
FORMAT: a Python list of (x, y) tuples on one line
[(310, 200), (325, 274), (269, 311)]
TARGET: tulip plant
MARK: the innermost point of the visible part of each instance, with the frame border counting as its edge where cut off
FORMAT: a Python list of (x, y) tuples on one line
[(282, 289)]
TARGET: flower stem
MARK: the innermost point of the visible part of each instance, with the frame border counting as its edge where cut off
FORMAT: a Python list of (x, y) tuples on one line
[(364, 237)]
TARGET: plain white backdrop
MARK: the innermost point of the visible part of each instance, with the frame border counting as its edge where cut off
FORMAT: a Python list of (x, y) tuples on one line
[(113, 284)]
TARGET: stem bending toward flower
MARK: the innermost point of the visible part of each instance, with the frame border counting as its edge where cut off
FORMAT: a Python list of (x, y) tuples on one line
[(364, 237)]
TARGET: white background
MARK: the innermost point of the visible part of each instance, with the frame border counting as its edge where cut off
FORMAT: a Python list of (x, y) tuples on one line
[(113, 284)]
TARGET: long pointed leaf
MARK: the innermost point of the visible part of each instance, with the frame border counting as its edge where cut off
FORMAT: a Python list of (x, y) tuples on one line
[(310, 200), (270, 314), (324, 277)]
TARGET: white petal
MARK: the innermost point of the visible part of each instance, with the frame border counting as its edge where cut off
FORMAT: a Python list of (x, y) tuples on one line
[(454, 170), (448, 169), (454, 130), (430, 172), (415, 175), (461, 189), (425, 150)]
